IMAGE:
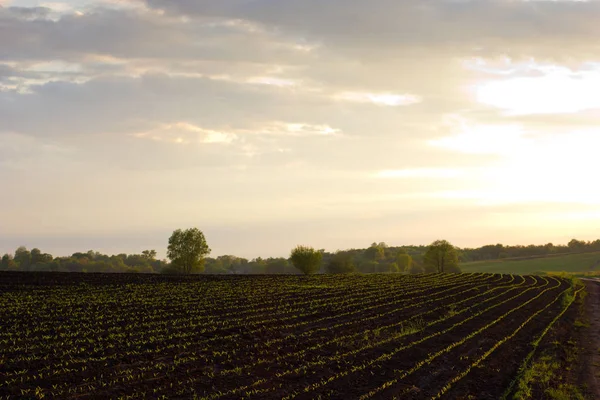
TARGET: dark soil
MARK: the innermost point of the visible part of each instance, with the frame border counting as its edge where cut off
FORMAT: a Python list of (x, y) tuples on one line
[(263, 337), (590, 340)]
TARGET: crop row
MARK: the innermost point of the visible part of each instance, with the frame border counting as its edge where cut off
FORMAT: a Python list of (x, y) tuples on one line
[(264, 337)]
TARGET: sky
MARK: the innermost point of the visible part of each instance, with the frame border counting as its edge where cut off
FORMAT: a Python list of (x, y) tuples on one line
[(272, 123)]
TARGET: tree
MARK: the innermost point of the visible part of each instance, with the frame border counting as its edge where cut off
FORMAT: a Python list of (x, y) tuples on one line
[(231, 264), (306, 259), (376, 252), (39, 261), (212, 266), (393, 267), (441, 256), (255, 266), (187, 250), (36, 255), (576, 245), (276, 266), (7, 262), (149, 254), (368, 267), (415, 269), (23, 258), (54, 265), (341, 263), (404, 262)]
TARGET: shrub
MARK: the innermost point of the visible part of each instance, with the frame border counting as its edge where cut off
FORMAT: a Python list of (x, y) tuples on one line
[(306, 259)]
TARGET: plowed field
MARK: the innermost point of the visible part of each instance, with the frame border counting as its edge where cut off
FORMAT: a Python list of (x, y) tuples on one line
[(457, 336)]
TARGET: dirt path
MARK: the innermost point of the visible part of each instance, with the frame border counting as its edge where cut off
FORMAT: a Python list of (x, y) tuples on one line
[(591, 342)]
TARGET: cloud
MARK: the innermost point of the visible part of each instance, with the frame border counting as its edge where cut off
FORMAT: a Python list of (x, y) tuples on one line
[(23, 152), (27, 13), (186, 133), (135, 33), (297, 129), (326, 108), (420, 173), (8, 73), (385, 99), (464, 27)]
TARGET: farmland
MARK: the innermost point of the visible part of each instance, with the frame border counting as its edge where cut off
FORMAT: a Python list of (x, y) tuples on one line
[(580, 264), (295, 337)]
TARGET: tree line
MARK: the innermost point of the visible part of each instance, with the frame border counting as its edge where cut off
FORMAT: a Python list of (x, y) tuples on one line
[(188, 252), (91, 261), (499, 251), (188, 249)]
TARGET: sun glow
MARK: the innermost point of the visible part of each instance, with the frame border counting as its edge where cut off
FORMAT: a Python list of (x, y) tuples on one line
[(557, 168), (484, 139), (527, 165), (557, 90)]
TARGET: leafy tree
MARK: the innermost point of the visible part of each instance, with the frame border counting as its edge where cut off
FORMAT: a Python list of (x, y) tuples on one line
[(256, 266), (54, 265), (212, 266), (277, 266), (4, 261), (306, 259), (393, 267), (7, 262), (90, 261), (22, 258), (429, 268), (376, 252), (415, 269), (187, 250), (139, 261), (576, 245), (404, 262), (369, 267), (149, 254), (441, 256), (341, 263), (36, 256), (232, 264)]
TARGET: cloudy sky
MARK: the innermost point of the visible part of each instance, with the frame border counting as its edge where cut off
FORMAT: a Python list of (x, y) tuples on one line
[(271, 123)]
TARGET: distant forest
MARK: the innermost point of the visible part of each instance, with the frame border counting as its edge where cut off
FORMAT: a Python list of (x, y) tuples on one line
[(379, 257)]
